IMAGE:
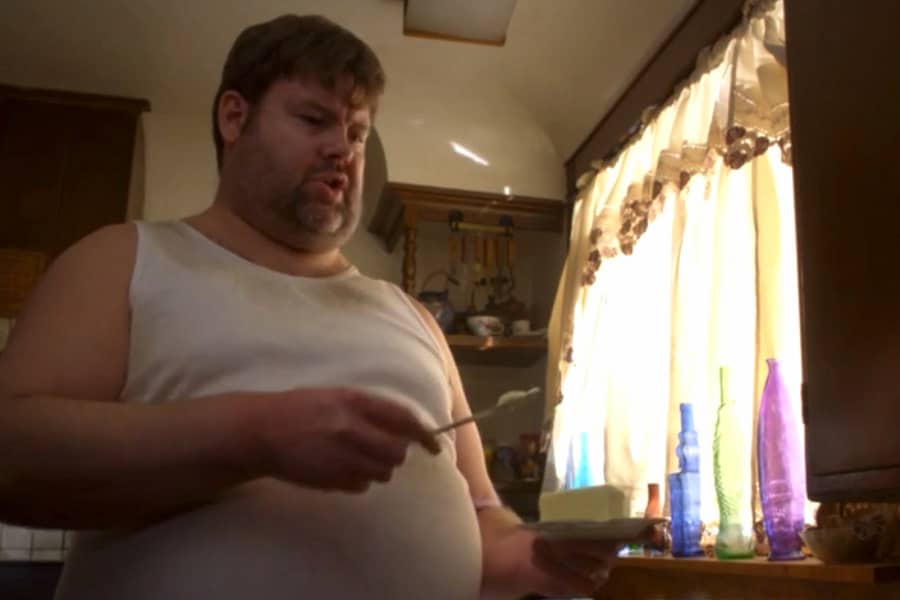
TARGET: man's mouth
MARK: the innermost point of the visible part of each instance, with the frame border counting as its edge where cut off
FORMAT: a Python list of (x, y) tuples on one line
[(337, 182)]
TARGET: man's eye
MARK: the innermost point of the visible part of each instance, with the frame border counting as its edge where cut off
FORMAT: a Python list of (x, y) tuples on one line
[(312, 120)]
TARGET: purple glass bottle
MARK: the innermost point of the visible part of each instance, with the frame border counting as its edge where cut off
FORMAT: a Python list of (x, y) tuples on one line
[(782, 476)]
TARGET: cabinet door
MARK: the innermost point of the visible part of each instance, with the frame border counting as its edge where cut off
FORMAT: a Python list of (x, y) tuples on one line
[(33, 139), (64, 172), (844, 81)]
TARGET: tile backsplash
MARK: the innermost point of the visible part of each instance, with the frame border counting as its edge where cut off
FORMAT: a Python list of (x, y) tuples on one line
[(20, 543)]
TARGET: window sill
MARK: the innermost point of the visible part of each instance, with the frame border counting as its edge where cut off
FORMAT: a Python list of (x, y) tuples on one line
[(666, 578)]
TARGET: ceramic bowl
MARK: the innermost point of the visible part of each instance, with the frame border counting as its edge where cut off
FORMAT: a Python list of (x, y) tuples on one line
[(485, 325), (838, 545)]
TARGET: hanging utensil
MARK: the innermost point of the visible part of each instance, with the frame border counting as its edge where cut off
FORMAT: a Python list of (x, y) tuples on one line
[(453, 255), (468, 271), (511, 263), (502, 266), (490, 272), (477, 267)]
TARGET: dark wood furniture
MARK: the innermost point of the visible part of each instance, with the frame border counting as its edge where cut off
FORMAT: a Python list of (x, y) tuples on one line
[(65, 165), (844, 78)]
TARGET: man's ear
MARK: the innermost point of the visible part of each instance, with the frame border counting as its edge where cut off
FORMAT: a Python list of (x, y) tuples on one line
[(233, 113)]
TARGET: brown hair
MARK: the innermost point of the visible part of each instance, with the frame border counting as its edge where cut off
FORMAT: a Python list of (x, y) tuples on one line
[(295, 46)]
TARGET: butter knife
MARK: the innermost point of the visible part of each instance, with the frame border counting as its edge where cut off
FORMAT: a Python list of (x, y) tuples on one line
[(507, 403)]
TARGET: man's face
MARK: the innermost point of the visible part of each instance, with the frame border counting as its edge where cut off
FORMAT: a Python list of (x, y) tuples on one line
[(297, 165)]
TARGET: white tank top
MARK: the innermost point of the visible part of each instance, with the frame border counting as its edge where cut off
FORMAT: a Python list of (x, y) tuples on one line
[(206, 321)]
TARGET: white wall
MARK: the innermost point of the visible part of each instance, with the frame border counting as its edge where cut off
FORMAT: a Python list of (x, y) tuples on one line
[(420, 116), (418, 119), (180, 169)]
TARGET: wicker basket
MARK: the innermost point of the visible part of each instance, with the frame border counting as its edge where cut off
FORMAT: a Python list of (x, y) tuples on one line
[(20, 270)]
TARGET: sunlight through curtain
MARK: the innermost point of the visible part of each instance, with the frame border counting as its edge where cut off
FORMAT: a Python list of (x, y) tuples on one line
[(682, 260)]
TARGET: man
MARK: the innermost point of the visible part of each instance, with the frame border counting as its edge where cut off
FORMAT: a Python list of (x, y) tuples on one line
[(227, 409)]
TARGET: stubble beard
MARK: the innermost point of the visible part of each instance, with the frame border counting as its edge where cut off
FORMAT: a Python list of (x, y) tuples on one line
[(311, 224), (305, 213)]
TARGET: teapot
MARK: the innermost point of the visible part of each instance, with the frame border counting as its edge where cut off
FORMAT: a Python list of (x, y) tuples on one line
[(438, 302)]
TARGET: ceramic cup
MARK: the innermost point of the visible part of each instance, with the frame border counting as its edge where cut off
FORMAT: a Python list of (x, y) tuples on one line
[(521, 327), (485, 325)]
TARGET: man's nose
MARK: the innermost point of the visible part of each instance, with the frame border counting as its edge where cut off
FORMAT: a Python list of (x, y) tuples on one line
[(337, 145)]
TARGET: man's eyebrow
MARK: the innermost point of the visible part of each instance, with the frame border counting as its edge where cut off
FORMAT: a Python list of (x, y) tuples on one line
[(317, 106)]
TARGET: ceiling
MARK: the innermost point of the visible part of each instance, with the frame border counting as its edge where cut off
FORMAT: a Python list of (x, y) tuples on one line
[(565, 61)]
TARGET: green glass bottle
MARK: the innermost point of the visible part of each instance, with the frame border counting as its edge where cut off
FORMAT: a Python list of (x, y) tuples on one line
[(731, 468)]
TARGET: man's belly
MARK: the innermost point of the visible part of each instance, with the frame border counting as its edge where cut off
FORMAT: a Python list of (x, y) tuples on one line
[(416, 537)]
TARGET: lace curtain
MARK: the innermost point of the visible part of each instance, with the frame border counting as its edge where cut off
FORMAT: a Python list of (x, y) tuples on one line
[(682, 260)]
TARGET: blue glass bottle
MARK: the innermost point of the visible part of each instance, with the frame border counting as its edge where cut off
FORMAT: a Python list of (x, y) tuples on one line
[(684, 490)]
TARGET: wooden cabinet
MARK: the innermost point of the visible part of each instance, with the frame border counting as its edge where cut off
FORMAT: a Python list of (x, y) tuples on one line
[(403, 207), (65, 165), (844, 77)]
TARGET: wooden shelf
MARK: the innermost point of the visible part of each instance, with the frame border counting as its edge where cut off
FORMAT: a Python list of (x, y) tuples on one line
[(810, 569), (403, 204), (520, 351)]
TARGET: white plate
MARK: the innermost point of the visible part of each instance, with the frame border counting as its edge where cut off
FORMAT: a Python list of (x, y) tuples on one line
[(615, 531)]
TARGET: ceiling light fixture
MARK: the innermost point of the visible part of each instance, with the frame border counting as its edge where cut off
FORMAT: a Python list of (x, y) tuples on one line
[(476, 21)]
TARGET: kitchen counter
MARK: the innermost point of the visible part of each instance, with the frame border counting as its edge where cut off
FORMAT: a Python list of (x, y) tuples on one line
[(26, 580)]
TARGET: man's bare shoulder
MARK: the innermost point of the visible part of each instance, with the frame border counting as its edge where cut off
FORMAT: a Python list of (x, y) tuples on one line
[(108, 246), (71, 339)]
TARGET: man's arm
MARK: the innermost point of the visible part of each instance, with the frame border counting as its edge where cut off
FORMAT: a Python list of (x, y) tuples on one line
[(73, 456), (514, 562), (64, 435)]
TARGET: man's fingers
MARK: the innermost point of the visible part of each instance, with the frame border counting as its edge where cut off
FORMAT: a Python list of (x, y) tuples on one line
[(599, 550), (400, 420), (380, 445), (561, 579)]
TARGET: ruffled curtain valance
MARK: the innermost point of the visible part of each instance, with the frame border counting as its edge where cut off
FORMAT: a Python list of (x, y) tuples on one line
[(682, 260)]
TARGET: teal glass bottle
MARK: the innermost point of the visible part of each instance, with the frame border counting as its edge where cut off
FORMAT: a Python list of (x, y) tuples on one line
[(731, 463)]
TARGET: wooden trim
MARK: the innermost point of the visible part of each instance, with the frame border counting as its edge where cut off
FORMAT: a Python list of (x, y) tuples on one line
[(516, 351), (429, 35), (637, 578), (435, 204), (672, 63), (810, 569), (130, 105)]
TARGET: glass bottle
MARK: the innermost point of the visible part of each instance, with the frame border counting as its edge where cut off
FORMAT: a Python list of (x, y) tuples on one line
[(731, 456), (782, 478), (684, 490)]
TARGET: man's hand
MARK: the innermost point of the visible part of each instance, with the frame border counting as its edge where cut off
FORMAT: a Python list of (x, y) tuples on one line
[(335, 439), (517, 562)]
